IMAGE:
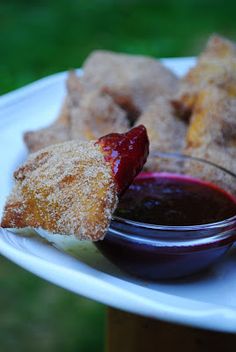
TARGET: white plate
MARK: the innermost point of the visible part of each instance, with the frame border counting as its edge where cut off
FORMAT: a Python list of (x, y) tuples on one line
[(207, 301)]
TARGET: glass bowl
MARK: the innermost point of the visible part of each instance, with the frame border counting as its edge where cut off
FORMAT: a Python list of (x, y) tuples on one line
[(156, 252)]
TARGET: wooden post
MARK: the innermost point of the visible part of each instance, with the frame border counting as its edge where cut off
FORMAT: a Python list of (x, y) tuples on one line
[(132, 333)]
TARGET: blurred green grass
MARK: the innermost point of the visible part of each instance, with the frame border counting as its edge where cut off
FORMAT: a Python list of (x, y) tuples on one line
[(42, 37), (38, 38)]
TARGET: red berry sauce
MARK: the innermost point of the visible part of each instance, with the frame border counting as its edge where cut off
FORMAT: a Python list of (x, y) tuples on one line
[(159, 252), (127, 152), (175, 200)]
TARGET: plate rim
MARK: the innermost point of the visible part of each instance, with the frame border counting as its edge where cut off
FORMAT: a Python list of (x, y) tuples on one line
[(208, 316)]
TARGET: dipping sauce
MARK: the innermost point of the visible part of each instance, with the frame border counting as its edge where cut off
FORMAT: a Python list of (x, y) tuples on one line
[(169, 226), (175, 200)]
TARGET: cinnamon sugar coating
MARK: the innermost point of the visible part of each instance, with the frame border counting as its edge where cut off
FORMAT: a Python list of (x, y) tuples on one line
[(96, 115), (216, 67), (67, 188), (138, 79), (83, 116), (212, 131), (165, 130)]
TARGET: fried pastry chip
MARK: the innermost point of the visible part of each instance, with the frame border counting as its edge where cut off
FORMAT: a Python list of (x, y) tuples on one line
[(83, 116), (216, 66), (72, 188), (212, 131), (96, 115), (58, 132), (93, 114), (132, 80), (166, 132)]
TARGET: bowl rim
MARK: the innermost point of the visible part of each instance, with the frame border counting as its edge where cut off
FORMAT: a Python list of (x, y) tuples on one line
[(213, 225)]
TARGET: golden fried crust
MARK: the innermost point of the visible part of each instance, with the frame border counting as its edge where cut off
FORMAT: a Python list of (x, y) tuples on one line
[(58, 132), (74, 89), (216, 66), (84, 116), (126, 103), (93, 113), (138, 78), (212, 131), (67, 189), (166, 132), (97, 115)]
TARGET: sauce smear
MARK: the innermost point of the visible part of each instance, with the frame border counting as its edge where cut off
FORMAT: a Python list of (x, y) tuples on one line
[(175, 200)]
